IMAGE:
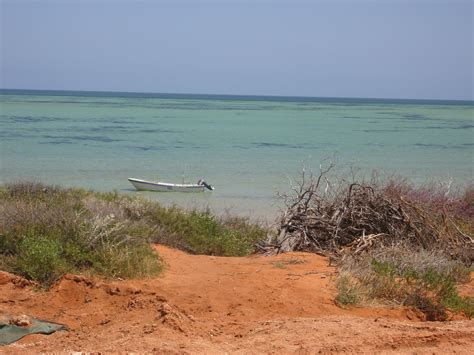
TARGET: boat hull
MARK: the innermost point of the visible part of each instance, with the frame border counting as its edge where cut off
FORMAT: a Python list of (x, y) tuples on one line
[(143, 185)]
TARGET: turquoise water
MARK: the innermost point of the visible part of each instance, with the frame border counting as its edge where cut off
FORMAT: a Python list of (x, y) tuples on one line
[(249, 148)]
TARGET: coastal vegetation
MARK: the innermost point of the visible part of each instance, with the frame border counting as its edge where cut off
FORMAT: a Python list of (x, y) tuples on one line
[(398, 275), (47, 231), (394, 243)]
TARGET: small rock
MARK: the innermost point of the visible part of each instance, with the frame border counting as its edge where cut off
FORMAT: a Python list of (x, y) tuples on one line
[(21, 321), (4, 320), (149, 328), (112, 290), (165, 309)]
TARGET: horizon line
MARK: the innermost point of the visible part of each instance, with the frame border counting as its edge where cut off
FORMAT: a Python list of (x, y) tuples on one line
[(235, 96)]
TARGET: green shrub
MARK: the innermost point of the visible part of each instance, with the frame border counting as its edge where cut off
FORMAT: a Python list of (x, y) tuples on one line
[(457, 303), (421, 279), (207, 235), (39, 258), (126, 262), (348, 291), (203, 233), (280, 265), (46, 231)]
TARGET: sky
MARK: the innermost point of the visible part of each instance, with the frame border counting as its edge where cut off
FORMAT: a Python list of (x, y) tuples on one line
[(416, 49)]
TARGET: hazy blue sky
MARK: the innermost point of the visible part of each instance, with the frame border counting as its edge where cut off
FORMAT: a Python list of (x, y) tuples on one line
[(393, 49)]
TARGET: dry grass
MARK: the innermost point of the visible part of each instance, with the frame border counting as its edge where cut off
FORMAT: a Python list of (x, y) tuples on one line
[(401, 275), (47, 231)]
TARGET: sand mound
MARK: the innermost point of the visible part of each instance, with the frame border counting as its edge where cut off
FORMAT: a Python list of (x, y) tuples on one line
[(17, 281)]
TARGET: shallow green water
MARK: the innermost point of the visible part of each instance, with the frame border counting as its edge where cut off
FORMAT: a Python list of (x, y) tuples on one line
[(248, 148)]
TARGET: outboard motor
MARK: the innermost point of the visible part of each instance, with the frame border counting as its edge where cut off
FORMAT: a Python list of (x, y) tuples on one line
[(205, 184)]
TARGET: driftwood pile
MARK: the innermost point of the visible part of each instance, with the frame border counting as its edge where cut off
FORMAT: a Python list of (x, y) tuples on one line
[(355, 217)]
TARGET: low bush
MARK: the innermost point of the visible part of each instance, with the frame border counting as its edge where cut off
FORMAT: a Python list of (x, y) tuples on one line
[(205, 234), (200, 232), (46, 231), (137, 260), (426, 280), (348, 292), (40, 258)]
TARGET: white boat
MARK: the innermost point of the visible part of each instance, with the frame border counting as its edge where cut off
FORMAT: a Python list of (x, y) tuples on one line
[(167, 187)]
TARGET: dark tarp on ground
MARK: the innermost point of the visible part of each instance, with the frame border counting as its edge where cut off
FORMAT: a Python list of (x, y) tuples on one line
[(10, 333)]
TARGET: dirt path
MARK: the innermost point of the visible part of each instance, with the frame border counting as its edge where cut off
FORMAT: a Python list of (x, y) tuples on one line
[(280, 304)]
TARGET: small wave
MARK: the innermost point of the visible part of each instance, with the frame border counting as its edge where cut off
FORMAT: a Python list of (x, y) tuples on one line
[(415, 117), (463, 126), (444, 146), (279, 145), (31, 119), (103, 139), (382, 130), (148, 148)]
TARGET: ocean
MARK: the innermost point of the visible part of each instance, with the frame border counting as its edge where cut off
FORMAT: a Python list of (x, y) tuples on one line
[(250, 148)]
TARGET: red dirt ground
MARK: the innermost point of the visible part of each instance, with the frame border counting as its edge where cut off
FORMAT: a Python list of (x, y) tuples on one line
[(203, 304)]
